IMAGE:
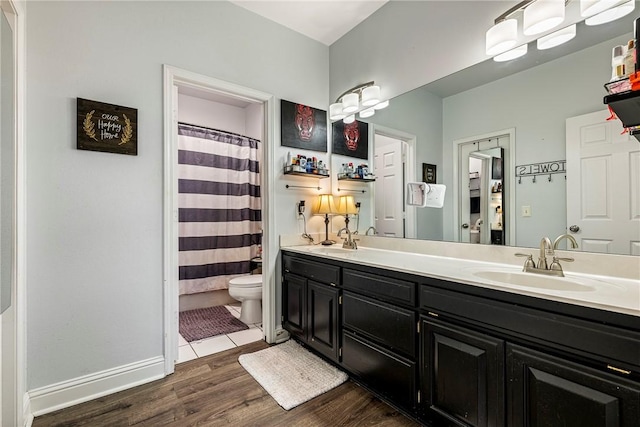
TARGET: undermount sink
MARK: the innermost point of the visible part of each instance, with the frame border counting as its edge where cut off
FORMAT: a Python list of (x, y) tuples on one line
[(538, 281)]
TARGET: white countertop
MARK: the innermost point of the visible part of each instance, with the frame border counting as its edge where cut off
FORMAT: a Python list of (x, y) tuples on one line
[(600, 292)]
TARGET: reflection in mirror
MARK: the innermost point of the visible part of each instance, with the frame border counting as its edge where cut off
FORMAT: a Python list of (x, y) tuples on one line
[(7, 162), (534, 95)]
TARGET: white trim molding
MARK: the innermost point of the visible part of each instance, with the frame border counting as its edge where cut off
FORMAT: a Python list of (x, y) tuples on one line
[(62, 395), (176, 77), (508, 179)]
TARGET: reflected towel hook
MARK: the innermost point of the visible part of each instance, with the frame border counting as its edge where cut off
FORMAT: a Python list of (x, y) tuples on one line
[(534, 179), (519, 180), (549, 177)]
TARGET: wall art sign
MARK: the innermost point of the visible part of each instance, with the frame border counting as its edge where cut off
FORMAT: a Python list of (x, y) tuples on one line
[(303, 127), (546, 168), (428, 173), (106, 127), (351, 139)]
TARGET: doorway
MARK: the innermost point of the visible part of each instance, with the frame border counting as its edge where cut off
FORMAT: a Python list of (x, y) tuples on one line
[(483, 194), (180, 83), (394, 166)]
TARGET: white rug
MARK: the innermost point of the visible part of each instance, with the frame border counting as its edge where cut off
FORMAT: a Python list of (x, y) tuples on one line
[(291, 374)]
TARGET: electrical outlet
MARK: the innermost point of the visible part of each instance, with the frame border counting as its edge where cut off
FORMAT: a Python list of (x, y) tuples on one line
[(526, 211)]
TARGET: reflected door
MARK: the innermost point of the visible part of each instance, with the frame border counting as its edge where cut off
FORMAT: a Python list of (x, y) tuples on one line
[(389, 186), (603, 185)]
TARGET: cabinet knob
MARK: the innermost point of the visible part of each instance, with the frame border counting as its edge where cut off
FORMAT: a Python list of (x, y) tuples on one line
[(574, 228)]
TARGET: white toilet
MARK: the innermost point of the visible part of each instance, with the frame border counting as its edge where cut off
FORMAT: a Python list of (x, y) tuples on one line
[(248, 290)]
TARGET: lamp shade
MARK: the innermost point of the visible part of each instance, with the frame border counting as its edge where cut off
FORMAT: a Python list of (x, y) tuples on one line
[(367, 113), (324, 205), (346, 206), (349, 119), (350, 103), (542, 15), (511, 54), (502, 37), (557, 38), (335, 111), (593, 7), (611, 14), (381, 105), (370, 96)]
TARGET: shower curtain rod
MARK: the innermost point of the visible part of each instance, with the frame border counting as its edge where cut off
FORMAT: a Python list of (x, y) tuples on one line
[(217, 130)]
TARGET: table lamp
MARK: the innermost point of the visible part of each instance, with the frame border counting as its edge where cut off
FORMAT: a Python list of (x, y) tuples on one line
[(346, 207), (325, 206)]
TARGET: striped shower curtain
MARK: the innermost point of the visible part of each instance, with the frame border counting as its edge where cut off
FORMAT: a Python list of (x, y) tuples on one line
[(219, 207)]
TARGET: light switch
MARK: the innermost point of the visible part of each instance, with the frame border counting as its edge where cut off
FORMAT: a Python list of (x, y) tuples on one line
[(526, 211)]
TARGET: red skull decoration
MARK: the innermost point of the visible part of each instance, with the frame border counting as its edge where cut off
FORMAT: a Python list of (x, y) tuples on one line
[(305, 122), (351, 136)]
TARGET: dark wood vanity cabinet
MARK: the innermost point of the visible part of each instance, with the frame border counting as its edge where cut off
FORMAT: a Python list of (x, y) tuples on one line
[(310, 308), (450, 354)]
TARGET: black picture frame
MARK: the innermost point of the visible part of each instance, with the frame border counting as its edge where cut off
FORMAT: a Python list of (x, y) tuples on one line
[(429, 173), (496, 168), (351, 139), (106, 127), (303, 127)]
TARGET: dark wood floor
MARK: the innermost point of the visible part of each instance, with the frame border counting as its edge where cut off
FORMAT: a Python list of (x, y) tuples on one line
[(216, 390)]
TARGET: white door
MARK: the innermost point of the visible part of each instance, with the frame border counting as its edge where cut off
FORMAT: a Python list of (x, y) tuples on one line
[(603, 185), (389, 205)]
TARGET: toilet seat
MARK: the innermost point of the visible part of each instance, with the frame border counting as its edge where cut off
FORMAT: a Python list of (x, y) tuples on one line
[(246, 281)]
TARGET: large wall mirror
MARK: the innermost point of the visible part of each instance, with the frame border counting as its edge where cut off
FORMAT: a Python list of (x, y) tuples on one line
[(529, 99)]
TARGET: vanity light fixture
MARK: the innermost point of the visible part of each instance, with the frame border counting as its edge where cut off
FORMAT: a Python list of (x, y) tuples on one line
[(540, 16), (611, 14), (363, 99), (557, 38)]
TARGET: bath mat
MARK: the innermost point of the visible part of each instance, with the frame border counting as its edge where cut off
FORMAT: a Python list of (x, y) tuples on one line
[(208, 322), (291, 374)]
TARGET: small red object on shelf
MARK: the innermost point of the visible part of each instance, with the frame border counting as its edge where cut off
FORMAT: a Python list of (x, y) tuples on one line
[(635, 81)]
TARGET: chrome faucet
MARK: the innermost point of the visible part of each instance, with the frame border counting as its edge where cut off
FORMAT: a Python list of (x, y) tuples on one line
[(547, 248), (569, 237), (373, 229), (348, 242)]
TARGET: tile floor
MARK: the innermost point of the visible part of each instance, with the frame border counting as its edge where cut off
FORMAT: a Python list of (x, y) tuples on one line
[(207, 346)]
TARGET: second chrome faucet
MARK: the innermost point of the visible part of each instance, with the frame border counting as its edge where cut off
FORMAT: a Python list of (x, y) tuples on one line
[(548, 248)]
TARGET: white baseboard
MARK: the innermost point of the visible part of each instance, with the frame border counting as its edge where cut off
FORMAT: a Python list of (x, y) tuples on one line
[(27, 415), (82, 389)]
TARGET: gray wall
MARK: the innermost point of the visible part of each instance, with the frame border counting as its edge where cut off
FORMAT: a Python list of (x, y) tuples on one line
[(94, 220), (406, 44), (536, 103)]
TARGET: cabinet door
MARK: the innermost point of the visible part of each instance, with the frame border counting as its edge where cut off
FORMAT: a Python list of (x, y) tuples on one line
[(294, 303), (547, 391), (462, 374), (322, 318)]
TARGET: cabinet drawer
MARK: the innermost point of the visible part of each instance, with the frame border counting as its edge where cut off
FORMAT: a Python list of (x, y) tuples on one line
[(388, 374), (392, 290), (391, 326), (311, 269)]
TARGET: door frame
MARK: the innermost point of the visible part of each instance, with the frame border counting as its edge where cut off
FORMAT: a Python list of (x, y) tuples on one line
[(509, 182), (409, 167), (172, 77)]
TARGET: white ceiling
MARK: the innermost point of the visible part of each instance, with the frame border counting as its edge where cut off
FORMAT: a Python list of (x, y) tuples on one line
[(322, 20)]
